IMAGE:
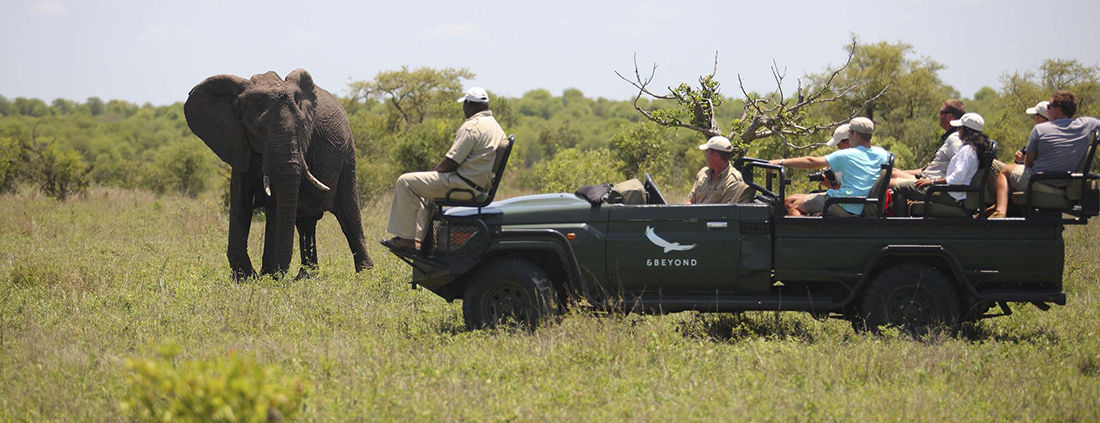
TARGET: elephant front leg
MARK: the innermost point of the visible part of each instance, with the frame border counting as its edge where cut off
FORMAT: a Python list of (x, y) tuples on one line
[(307, 244), (241, 193)]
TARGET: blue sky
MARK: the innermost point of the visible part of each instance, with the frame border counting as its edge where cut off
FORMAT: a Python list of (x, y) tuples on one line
[(155, 51)]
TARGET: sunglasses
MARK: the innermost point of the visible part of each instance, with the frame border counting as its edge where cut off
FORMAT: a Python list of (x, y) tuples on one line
[(944, 112)]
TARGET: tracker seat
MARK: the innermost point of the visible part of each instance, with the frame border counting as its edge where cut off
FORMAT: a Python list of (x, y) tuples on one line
[(476, 197)]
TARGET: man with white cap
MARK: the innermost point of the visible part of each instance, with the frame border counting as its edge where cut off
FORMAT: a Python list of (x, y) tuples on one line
[(856, 170), (1040, 114), (467, 165), (718, 182)]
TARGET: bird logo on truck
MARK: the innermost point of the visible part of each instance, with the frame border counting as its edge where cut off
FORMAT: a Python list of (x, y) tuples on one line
[(668, 246)]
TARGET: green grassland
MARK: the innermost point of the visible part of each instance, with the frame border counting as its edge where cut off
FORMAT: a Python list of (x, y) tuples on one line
[(89, 283)]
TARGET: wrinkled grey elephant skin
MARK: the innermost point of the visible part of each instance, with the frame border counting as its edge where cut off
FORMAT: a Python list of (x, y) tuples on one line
[(291, 150)]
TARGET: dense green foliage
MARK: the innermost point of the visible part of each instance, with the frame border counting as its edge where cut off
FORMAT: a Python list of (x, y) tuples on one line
[(404, 121), (89, 283), (221, 389)]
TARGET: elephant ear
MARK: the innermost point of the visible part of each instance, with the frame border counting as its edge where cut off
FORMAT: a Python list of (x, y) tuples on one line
[(213, 114), (308, 101)]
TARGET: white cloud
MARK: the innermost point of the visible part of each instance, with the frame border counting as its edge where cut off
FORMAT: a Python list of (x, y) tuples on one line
[(48, 7), (303, 38), (455, 31)]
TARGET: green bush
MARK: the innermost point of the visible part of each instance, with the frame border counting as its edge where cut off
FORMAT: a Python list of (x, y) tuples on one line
[(374, 178), (423, 145), (59, 172), (183, 167), (224, 389), (572, 168), (12, 164)]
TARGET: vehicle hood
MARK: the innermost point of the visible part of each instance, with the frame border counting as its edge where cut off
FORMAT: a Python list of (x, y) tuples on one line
[(538, 208)]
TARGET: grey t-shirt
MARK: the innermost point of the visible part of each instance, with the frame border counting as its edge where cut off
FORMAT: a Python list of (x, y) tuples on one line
[(1060, 144), (937, 168)]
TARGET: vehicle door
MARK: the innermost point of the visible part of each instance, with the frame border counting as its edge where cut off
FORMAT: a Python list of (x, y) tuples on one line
[(673, 249)]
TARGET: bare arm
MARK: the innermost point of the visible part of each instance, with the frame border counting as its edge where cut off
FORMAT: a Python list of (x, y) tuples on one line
[(1029, 159), (446, 166), (807, 162)]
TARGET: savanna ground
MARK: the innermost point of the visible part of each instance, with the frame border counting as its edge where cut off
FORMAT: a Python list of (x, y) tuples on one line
[(89, 283)]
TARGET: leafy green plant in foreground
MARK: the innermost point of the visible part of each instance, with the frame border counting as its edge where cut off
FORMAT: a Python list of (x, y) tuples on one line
[(223, 389)]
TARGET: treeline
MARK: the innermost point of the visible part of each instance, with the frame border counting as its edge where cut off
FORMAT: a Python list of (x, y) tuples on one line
[(404, 120)]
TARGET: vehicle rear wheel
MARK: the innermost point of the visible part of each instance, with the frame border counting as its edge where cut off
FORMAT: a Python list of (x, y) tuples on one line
[(508, 292), (913, 297)]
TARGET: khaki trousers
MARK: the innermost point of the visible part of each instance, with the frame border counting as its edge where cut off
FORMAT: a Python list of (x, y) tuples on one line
[(412, 198)]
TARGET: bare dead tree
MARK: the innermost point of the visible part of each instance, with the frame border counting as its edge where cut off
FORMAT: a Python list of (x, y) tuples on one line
[(772, 115)]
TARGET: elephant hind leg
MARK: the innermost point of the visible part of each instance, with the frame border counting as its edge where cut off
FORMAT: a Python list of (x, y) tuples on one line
[(347, 210), (307, 244)]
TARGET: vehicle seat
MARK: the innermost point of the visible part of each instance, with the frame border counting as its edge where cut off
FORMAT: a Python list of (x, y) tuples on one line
[(873, 204), (475, 198), (1081, 184), (976, 199)]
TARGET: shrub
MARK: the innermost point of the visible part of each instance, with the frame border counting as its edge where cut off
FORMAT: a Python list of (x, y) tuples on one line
[(373, 178), (224, 389), (12, 164), (572, 168), (183, 167), (424, 145), (60, 173)]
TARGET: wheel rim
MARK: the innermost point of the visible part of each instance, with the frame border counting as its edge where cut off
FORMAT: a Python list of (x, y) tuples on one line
[(912, 307), (508, 301)]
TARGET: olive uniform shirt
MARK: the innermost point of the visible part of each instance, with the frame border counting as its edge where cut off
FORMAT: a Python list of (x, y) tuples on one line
[(475, 148), (724, 188)]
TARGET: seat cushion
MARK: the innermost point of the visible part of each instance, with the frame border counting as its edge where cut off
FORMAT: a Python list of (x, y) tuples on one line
[(920, 208), (1043, 201)]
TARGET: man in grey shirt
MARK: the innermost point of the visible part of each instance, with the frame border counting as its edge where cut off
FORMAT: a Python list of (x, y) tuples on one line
[(904, 181), (1055, 146)]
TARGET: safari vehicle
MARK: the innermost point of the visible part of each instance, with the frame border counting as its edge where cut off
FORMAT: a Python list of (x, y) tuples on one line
[(520, 259)]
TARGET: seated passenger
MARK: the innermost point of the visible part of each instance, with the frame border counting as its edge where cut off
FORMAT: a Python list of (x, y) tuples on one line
[(718, 182), (949, 143), (856, 170), (962, 167), (1055, 146), (1039, 113)]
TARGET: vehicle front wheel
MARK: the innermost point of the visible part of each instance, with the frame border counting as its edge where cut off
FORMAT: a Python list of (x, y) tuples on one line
[(916, 298), (508, 292)]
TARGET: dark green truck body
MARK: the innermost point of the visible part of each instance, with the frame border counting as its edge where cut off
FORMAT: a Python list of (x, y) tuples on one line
[(666, 258)]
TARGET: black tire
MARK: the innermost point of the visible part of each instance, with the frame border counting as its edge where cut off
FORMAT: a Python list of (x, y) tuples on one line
[(916, 298), (508, 292)]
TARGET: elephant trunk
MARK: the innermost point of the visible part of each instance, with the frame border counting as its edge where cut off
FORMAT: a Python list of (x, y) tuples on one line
[(285, 185)]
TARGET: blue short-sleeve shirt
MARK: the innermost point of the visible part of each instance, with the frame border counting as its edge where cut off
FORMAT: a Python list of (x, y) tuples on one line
[(856, 169)]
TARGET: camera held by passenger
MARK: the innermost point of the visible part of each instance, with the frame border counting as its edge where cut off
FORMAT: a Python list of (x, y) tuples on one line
[(826, 174)]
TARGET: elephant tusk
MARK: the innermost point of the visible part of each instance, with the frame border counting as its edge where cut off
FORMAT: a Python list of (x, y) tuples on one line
[(319, 185), (267, 186)]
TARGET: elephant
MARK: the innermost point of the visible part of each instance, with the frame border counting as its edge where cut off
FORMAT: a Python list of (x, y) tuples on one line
[(291, 150)]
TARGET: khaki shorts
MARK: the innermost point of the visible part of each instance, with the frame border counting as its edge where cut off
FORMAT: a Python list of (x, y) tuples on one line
[(1021, 175), (815, 204)]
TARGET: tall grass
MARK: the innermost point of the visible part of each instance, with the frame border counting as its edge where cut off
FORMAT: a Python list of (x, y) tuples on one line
[(89, 283)]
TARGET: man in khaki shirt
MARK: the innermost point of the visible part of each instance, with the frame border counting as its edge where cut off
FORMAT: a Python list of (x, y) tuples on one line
[(718, 182), (467, 165)]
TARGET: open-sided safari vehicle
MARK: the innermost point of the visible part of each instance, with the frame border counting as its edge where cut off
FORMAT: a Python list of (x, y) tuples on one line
[(522, 259)]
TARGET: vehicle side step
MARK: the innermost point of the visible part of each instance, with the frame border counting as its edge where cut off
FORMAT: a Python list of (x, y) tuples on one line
[(711, 304), (1056, 297)]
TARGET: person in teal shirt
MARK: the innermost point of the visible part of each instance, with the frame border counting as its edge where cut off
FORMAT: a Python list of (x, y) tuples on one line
[(856, 170)]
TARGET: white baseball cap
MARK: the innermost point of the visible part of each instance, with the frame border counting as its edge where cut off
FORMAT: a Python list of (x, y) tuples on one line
[(840, 134), (1039, 109), (719, 143), (475, 95), (970, 120)]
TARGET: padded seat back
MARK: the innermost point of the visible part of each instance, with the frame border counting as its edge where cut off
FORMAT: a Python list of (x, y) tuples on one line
[(984, 177), (878, 190)]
